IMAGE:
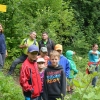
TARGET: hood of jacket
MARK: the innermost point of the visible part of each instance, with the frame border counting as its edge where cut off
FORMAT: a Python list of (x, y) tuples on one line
[(69, 54)]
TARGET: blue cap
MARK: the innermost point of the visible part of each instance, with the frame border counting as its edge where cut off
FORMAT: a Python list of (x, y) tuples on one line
[(33, 48)]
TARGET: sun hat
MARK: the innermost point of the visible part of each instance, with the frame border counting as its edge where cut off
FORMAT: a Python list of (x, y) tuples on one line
[(40, 60)]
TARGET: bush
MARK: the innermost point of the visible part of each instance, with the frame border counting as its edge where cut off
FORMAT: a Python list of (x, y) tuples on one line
[(9, 90)]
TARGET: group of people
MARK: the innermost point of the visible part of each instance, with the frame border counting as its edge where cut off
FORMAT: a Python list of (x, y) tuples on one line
[(43, 77), (44, 68)]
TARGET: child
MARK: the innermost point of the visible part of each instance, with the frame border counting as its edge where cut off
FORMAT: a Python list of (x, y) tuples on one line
[(63, 60), (54, 79), (94, 61), (43, 54), (30, 80), (73, 70), (41, 66), (3, 50)]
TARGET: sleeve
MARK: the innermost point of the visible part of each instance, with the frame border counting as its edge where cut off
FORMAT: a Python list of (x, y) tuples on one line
[(24, 77), (90, 52), (99, 52), (67, 68), (63, 83), (53, 45), (73, 67), (5, 42), (45, 91), (23, 41), (39, 43)]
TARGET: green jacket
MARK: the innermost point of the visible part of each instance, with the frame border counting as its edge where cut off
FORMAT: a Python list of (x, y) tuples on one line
[(73, 70)]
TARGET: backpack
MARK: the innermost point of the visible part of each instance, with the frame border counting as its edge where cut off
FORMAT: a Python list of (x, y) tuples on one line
[(25, 41)]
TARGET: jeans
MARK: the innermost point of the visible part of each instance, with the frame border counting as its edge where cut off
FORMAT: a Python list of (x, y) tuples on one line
[(28, 98), (40, 97), (94, 80), (21, 59), (2, 60)]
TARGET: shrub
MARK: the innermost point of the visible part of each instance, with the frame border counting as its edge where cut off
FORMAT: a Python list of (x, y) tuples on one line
[(9, 90)]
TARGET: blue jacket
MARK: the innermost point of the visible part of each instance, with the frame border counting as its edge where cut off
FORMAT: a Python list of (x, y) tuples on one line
[(2, 43), (65, 64)]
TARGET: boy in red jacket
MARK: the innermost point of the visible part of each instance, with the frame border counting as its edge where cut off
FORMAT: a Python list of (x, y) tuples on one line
[(29, 76)]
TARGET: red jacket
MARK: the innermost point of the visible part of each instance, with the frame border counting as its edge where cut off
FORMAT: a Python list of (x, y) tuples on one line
[(29, 71)]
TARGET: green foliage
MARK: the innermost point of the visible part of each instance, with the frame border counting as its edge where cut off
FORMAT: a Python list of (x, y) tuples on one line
[(87, 14), (9, 90), (73, 23)]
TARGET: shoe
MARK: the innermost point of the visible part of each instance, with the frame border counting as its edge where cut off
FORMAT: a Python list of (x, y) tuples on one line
[(69, 92)]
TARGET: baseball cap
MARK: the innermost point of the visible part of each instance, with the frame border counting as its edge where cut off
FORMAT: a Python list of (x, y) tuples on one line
[(44, 49), (58, 47), (40, 60), (33, 48)]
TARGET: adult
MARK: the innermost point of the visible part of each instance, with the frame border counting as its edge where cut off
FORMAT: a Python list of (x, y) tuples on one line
[(94, 62), (24, 46), (3, 50), (46, 42)]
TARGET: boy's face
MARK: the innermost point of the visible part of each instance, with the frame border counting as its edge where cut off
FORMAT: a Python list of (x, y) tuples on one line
[(54, 60), (41, 65), (43, 53), (59, 51), (32, 55)]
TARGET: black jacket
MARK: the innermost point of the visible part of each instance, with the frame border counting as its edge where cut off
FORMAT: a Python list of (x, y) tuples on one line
[(54, 83), (50, 45)]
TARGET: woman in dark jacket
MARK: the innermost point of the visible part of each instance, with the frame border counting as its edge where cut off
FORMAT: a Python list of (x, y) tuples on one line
[(3, 50)]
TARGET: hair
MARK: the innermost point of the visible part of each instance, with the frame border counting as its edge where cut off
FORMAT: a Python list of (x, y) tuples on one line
[(44, 33), (94, 45), (54, 53), (2, 28), (32, 32)]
